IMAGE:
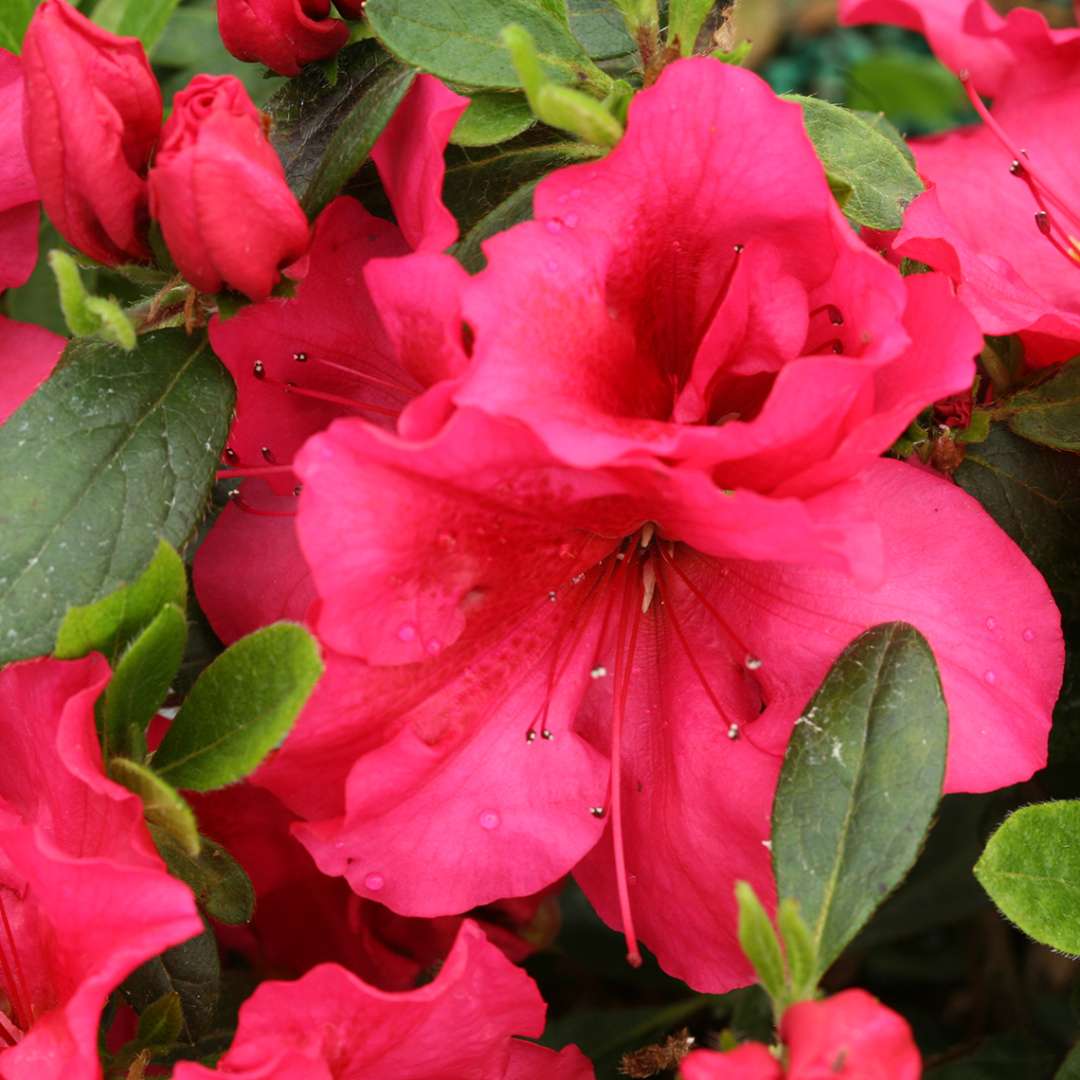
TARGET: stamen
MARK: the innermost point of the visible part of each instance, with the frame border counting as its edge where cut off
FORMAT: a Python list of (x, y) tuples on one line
[(836, 316), (246, 471), (337, 399), (237, 501), (14, 977)]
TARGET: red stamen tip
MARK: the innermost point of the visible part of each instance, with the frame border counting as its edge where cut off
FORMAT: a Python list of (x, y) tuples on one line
[(633, 958)]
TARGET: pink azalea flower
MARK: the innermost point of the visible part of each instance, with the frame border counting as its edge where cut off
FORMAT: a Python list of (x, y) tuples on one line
[(461, 1026), (84, 897), (576, 634), (1002, 216), (18, 189), (300, 363), (850, 1035), (303, 918)]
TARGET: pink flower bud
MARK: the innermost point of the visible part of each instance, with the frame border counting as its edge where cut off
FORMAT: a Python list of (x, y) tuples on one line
[(282, 34), (218, 189), (92, 116)]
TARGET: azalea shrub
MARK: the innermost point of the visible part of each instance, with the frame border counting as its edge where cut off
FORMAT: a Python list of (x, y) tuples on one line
[(537, 542)]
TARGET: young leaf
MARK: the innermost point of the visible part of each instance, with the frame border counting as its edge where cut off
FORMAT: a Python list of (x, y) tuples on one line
[(860, 781), (218, 881), (140, 683), (459, 40), (1031, 869), (86, 314), (799, 949), (165, 808), (161, 1022), (1049, 413), (872, 179), (240, 708), (492, 118), (758, 940), (109, 624), (149, 427)]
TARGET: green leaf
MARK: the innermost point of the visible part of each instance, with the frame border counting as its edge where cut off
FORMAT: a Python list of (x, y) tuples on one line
[(460, 40), (144, 19), (240, 708), (873, 180), (141, 682), (356, 133), (1070, 1067), (1031, 869), (758, 940), (492, 118), (1049, 414), (14, 19), (685, 18), (911, 90), (799, 949), (859, 784), (161, 1022), (514, 208), (148, 428), (1033, 493), (109, 624), (192, 971), (218, 881), (601, 29), (165, 808)]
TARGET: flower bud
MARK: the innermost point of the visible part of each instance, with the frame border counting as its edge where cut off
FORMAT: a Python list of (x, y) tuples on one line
[(282, 34), (91, 118), (218, 190)]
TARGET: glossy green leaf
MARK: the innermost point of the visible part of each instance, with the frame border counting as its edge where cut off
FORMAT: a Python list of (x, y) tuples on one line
[(758, 941), (356, 132), (1049, 413), (140, 683), (460, 40), (1033, 493), (144, 19), (221, 887), (109, 624), (911, 89), (859, 784), (1031, 869), (148, 428), (240, 708), (165, 808), (514, 208), (492, 118), (872, 179)]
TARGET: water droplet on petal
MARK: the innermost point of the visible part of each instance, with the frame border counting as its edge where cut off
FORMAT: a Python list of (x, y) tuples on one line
[(434, 647), (1029, 634), (733, 732), (374, 882), (489, 819), (406, 632), (990, 677), (752, 663), (991, 622)]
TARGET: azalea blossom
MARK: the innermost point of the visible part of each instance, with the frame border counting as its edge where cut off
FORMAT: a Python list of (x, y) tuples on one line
[(1002, 213), (572, 626), (84, 897), (461, 1026), (850, 1035)]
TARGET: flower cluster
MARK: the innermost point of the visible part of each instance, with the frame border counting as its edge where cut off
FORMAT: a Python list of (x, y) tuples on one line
[(578, 535)]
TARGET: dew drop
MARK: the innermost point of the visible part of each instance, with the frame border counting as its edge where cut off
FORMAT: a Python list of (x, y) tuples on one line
[(433, 647), (374, 882), (406, 632), (752, 663), (489, 819), (991, 622), (1029, 634), (990, 677)]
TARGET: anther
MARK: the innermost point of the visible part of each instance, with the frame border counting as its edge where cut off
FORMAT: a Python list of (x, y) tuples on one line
[(1042, 220), (1016, 167), (733, 732), (739, 249), (752, 663), (553, 596), (547, 734), (597, 811), (296, 490), (230, 454), (530, 736), (598, 672), (267, 454), (300, 357), (258, 369)]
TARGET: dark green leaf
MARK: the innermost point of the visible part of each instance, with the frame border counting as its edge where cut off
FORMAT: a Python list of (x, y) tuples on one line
[(873, 180), (1050, 412), (492, 118), (860, 781), (109, 624), (240, 708), (221, 887), (513, 209), (190, 970), (148, 427), (1031, 869), (459, 40), (1070, 1067), (912, 90), (1033, 493), (165, 808), (14, 18), (161, 1022), (355, 134), (141, 682), (601, 29), (144, 19), (758, 940)]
